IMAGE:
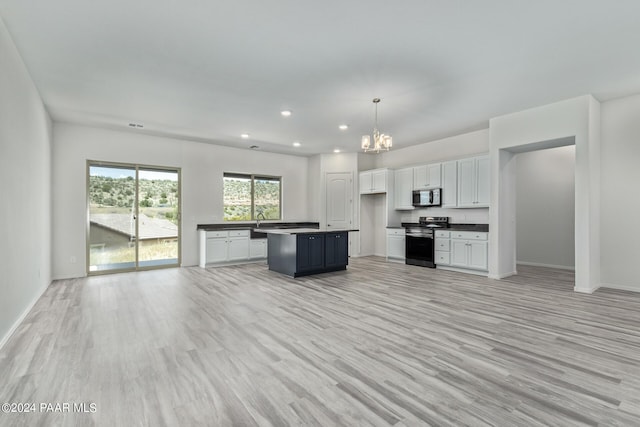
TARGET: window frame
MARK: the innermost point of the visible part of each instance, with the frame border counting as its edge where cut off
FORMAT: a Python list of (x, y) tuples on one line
[(252, 177)]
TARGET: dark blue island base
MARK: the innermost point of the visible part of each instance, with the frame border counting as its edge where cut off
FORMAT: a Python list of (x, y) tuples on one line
[(303, 253)]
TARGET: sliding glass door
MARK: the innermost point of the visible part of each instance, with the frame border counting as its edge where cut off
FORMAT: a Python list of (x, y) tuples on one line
[(133, 217), (158, 215)]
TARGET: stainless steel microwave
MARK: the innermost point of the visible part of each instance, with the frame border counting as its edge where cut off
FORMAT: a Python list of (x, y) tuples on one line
[(424, 198)]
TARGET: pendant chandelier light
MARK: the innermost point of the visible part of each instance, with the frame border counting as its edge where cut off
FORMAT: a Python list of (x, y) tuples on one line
[(381, 142)]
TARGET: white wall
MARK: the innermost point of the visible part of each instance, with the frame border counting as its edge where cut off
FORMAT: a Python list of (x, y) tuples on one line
[(314, 178), (453, 148), (202, 168), (25, 185), (620, 164), (577, 119), (373, 217), (367, 161), (545, 207)]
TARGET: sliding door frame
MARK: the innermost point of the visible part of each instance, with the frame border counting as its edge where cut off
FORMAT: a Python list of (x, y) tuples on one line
[(137, 167)]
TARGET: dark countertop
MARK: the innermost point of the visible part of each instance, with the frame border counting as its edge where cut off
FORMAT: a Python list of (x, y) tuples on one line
[(252, 225), (301, 230), (454, 227)]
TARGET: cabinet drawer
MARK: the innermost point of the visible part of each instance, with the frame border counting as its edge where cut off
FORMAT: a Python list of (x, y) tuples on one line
[(443, 233), (468, 235), (239, 233), (395, 232), (217, 234), (443, 258), (443, 245)]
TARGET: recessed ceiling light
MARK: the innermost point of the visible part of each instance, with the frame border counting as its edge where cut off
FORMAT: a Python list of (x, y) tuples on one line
[(244, 135), (337, 150), (343, 127), (285, 113), (296, 144)]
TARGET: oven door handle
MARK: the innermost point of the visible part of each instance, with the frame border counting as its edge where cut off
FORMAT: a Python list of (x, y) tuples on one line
[(424, 236)]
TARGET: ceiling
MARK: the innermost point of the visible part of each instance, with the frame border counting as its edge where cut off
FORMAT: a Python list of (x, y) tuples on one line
[(212, 70)]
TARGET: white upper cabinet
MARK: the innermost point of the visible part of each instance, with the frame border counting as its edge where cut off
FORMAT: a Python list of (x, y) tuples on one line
[(373, 181), (483, 195), (427, 176), (449, 195), (473, 182), (466, 183), (403, 187)]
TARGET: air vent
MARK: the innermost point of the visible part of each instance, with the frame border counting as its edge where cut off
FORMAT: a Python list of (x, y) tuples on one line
[(135, 125), (254, 147)]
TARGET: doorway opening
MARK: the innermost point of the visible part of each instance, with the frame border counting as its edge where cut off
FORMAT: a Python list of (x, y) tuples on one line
[(133, 217), (545, 211)]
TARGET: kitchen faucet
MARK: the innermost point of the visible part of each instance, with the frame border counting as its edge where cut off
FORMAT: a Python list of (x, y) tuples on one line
[(260, 214)]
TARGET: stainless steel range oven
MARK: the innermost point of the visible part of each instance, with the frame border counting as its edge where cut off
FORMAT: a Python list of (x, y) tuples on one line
[(419, 241)]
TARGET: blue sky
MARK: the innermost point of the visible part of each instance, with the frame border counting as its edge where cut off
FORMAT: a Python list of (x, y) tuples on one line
[(115, 172)]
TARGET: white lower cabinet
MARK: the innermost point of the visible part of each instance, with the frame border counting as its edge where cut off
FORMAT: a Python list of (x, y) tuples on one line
[(396, 243), (460, 253), (223, 246), (216, 249), (237, 247), (469, 249), (478, 255), (258, 248), (443, 247)]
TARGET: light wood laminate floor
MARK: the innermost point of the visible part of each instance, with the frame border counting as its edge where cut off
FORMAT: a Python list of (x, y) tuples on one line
[(379, 344)]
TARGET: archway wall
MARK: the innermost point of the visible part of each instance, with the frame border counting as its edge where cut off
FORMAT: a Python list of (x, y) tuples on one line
[(576, 120)]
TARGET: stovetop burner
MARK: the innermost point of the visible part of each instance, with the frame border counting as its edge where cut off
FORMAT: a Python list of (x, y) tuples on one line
[(434, 221)]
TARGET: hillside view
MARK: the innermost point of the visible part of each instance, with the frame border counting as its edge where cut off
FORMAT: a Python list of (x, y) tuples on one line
[(237, 198), (158, 198)]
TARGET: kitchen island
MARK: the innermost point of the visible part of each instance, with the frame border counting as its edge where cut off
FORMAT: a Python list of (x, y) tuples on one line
[(303, 251)]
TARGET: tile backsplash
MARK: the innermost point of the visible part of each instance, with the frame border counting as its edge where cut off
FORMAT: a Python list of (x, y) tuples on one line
[(456, 216)]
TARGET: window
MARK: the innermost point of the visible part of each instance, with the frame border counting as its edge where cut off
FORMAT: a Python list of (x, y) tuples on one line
[(250, 197), (134, 217)]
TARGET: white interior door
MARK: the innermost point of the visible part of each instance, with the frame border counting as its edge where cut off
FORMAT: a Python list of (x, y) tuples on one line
[(339, 200)]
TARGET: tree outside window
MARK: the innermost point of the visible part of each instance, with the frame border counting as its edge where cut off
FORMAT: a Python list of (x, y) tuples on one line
[(251, 197)]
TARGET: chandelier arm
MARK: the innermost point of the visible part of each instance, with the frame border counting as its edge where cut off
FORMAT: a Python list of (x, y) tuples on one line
[(380, 141)]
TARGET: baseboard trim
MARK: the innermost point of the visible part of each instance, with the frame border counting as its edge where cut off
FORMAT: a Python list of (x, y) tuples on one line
[(21, 318), (67, 277), (585, 291), (463, 270), (503, 275), (537, 264), (620, 287)]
